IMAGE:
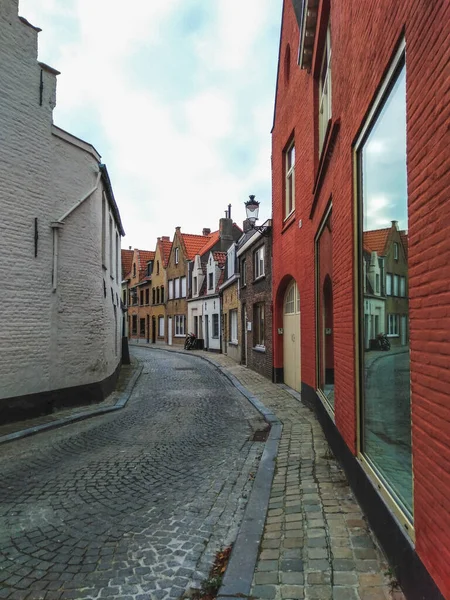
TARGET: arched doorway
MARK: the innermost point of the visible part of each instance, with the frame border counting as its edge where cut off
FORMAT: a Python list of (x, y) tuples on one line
[(291, 337)]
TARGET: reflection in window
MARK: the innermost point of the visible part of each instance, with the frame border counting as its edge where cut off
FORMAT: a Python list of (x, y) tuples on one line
[(386, 422), (325, 333)]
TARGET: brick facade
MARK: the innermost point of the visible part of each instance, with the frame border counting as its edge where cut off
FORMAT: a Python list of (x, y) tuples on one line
[(365, 38), (256, 292)]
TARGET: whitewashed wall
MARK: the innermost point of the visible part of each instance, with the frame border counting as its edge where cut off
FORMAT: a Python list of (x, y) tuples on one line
[(48, 340)]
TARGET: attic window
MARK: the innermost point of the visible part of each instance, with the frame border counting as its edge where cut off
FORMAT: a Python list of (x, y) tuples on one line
[(308, 23), (134, 269), (176, 255)]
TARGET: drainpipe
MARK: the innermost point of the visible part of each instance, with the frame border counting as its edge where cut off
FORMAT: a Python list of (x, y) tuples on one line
[(56, 225)]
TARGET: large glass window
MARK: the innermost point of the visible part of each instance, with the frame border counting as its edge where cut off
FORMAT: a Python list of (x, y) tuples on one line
[(233, 327), (258, 318), (289, 159), (386, 414)]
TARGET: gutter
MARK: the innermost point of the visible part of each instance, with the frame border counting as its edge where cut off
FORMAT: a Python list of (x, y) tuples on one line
[(59, 224)]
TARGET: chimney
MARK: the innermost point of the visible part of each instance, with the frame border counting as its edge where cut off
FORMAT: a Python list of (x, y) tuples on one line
[(246, 225), (229, 211), (226, 229), (165, 238), (395, 224), (206, 231), (130, 248)]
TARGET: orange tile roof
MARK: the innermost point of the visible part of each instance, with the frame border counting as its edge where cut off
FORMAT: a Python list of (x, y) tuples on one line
[(375, 241), (127, 261), (144, 257), (193, 243), (213, 239), (404, 237), (220, 258), (166, 247)]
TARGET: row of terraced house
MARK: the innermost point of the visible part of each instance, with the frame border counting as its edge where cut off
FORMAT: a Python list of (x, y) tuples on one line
[(216, 285)]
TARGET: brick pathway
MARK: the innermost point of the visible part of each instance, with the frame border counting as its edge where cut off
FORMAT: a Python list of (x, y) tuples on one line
[(317, 544)]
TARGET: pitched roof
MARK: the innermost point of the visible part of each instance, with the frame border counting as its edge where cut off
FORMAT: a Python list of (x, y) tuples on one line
[(220, 258), (404, 237), (165, 247), (144, 256), (213, 239), (375, 241), (127, 261), (193, 243)]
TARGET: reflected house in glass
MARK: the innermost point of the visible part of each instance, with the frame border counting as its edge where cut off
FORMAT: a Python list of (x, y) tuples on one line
[(385, 265)]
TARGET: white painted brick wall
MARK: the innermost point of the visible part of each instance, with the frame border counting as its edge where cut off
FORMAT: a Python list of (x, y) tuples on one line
[(48, 340)]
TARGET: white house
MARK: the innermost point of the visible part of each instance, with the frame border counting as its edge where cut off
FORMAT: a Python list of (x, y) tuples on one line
[(60, 238), (204, 306)]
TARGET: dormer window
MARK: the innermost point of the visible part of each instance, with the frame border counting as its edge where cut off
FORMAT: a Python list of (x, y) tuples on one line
[(157, 267), (134, 269), (210, 281)]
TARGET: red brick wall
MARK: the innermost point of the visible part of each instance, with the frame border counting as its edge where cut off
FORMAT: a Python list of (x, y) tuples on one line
[(364, 39)]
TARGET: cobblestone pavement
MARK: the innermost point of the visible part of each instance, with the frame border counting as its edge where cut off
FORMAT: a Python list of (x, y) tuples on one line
[(316, 544), (132, 505)]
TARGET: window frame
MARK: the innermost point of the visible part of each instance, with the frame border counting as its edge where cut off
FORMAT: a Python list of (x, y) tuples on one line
[(215, 328), (177, 255), (324, 107), (259, 263), (243, 272), (233, 326), (259, 338), (289, 180)]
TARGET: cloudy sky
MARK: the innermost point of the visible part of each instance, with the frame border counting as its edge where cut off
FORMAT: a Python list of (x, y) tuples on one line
[(176, 95)]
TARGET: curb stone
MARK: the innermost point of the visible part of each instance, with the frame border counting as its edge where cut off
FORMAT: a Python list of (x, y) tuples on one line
[(80, 416), (238, 577)]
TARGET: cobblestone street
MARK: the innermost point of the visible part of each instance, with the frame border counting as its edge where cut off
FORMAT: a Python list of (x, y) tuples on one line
[(133, 504)]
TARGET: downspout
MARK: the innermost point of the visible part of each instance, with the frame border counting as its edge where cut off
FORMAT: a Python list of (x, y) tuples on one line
[(56, 225)]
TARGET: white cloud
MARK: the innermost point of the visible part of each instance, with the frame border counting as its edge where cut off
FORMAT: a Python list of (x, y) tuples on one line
[(166, 156)]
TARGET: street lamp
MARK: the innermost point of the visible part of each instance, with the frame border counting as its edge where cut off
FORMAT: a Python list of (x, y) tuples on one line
[(252, 211)]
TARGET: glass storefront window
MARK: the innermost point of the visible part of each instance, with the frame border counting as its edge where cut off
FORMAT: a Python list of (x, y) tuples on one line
[(325, 332), (386, 411)]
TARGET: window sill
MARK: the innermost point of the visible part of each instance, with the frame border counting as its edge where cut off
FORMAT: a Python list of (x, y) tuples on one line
[(324, 160), (392, 335), (259, 278), (233, 343), (261, 349), (288, 222)]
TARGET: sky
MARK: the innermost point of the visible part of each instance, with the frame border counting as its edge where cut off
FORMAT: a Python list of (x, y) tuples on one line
[(177, 97)]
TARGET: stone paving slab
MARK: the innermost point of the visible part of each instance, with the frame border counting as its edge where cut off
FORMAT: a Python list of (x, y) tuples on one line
[(317, 544)]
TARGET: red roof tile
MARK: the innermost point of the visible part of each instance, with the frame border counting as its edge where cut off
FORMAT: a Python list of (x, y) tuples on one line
[(127, 261), (375, 241), (165, 248), (193, 243), (220, 258), (144, 257), (213, 239)]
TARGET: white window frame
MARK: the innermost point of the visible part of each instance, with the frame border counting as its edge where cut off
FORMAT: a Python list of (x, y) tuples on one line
[(393, 325), (233, 333), (258, 263), (388, 284), (215, 323), (289, 200), (183, 287), (180, 325), (170, 289), (195, 286), (395, 250), (160, 326), (259, 325), (210, 281), (243, 272), (402, 287), (395, 290), (176, 285), (324, 115), (177, 255)]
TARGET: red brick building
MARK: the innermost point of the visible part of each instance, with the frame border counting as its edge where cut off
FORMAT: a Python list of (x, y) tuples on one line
[(360, 147)]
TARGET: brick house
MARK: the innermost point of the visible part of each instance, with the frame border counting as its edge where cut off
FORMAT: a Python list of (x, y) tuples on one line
[(254, 253), (229, 292), (61, 229), (159, 289), (365, 151), (139, 281), (184, 248), (126, 262)]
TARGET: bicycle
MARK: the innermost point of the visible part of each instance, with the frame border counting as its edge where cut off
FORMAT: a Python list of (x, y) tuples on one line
[(190, 343), (383, 342)]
